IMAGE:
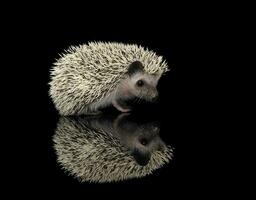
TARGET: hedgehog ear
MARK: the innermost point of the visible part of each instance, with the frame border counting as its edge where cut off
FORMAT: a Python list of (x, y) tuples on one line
[(135, 67)]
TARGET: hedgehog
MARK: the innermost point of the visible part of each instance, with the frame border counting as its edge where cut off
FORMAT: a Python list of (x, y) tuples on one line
[(90, 77), (103, 150)]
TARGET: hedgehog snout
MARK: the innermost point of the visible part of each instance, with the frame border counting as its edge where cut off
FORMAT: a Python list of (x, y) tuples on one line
[(154, 96), (142, 158)]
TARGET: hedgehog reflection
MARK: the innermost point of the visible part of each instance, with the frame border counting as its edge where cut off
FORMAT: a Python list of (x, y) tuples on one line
[(108, 148)]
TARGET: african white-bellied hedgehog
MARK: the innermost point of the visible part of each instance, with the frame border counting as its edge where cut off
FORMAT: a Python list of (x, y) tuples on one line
[(92, 76), (106, 150)]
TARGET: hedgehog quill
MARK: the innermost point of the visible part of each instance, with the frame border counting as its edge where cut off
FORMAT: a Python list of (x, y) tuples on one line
[(96, 75)]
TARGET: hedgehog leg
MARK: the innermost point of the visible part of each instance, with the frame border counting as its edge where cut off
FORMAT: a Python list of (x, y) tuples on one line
[(119, 107)]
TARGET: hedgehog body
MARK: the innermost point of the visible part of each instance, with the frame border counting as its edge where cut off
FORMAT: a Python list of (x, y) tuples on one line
[(92, 76), (91, 151)]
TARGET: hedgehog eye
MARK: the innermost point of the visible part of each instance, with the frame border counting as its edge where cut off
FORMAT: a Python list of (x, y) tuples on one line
[(140, 83), (143, 141)]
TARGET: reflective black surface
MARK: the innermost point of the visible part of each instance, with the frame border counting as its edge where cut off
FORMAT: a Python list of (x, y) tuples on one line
[(184, 112), (175, 113)]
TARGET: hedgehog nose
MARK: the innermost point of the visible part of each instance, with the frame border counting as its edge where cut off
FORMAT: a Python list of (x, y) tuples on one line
[(155, 98), (141, 159)]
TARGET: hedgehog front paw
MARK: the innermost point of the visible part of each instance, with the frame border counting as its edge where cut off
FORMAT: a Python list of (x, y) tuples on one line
[(121, 108)]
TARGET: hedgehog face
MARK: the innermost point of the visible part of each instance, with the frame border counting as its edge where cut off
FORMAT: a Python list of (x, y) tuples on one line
[(145, 142), (141, 140), (142, 84)]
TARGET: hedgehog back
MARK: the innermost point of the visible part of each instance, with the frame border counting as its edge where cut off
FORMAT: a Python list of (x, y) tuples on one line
[(88, 73)]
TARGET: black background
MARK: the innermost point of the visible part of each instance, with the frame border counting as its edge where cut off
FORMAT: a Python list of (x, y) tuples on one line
[(190, 41)]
